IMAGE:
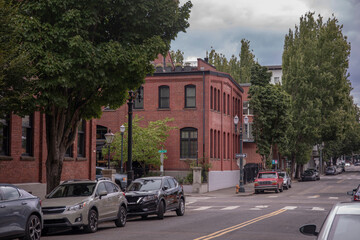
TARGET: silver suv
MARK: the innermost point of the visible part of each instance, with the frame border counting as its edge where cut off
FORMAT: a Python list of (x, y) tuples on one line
[(84, 203)]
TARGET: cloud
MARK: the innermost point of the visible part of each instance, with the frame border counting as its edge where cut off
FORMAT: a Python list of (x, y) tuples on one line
[(222, 25)]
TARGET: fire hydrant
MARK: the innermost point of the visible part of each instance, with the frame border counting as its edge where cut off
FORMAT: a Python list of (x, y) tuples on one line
[(237, 189)]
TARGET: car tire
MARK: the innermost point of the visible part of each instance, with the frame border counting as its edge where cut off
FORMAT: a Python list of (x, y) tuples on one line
[(282, 188), (277, 189), (92, 225), (257, 191), (33, 228), (286, 187), (289, 185), (161, 210), (144, 217), (121, 220), (181, 210)]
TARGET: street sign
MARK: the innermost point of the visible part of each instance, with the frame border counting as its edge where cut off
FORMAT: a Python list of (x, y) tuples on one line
[(239, 155), (274, 161), (162, 151)]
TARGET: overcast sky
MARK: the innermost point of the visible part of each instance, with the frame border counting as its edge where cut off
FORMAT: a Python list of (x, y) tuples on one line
[(222, 24)]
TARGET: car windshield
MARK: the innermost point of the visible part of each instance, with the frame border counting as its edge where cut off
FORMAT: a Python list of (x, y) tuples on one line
[(267, 175), (308, 173), (281, 174), (145, 185), (73, 190), (345, 227)]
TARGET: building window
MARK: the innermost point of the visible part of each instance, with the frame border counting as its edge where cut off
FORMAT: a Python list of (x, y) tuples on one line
[(190, 96), (224, 103), (211, 144), (139, 100), (188, 143), (224, 141), (215, 99), (218, 144), (4, 136), (228, 104), (228, 145), (215, 146), (277, 80), (164, 96), (211, 98), (81, 140), (218, 100), (27, 135), (69, 151), (246, 108)]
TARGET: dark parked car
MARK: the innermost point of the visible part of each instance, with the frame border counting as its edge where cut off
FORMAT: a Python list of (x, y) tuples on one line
[(120, 178), (155, 195), (20, 213), (355, 193), (331, 171), (342, 222), (309, 175)]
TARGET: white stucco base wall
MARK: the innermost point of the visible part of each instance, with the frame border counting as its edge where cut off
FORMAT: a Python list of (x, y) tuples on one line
[(223, 179)]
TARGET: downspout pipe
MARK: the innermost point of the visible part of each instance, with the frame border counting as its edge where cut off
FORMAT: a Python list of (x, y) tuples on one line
[(203, 115)]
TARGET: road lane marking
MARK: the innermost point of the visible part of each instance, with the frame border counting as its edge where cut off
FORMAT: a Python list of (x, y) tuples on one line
[(188, 203), (272, 196), (238, 226), (260, 207), (315, 196), (340, 181), (201, 208), (289, 207), (230, 208), (318, 209), (333, 198)]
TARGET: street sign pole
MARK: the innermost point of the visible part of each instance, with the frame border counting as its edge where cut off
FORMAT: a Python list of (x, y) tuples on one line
[(162, 151)]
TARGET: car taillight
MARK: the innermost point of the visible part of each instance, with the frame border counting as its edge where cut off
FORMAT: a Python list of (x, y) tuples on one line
[(356, 198), (40, 202)]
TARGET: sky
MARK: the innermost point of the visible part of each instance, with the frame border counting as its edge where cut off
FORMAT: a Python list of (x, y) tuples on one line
[(222, 24)]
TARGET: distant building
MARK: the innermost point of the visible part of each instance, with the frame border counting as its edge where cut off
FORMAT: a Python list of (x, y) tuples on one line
[(276, 71)]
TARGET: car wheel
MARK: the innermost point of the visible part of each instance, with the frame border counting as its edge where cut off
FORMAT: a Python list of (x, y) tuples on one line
[(277, 189), (290, 185), (181, 210), (121, 220), (92, 225), (286, 187), (33, 228), (161, 210), (257, 191), (144, 217), (282, 188)]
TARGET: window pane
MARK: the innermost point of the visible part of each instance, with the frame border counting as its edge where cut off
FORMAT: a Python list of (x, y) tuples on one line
[(164, 102), (139, 100), (4, 137), (184, 149), (193, 134), (190, 102), (164, 92), (190, 91), (184, 134), (193, 149)]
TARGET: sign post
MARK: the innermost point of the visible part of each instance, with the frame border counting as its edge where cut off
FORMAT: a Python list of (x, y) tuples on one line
[(162, 151)]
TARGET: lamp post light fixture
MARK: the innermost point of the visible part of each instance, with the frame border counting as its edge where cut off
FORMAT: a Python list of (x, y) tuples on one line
[(241, 180), (122, 130), (109, 136)]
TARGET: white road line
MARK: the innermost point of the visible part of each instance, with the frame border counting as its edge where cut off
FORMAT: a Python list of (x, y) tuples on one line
[(230, 208), (315, 196), (333, 198), (272, 196), (255, 208), (201, 208), (188, 203), (262, 206), (318, 209), (289, 207)]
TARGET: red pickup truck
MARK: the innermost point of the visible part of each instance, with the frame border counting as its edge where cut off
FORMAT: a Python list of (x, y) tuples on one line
[(268, 180)]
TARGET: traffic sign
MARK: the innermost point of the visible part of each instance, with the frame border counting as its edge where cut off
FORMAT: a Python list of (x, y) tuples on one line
[(239, 155), (162, 151), (274, 161)]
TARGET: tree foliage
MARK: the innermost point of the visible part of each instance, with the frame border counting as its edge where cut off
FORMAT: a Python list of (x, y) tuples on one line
[(315, 62), (270, 106), (88, 54), (178, 56), (147, 141), (239, 69)]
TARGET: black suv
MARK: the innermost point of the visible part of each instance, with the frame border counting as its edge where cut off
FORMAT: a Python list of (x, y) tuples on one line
[(155, 195)]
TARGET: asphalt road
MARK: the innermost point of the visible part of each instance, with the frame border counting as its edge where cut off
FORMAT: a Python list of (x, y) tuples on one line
[(259, 216)]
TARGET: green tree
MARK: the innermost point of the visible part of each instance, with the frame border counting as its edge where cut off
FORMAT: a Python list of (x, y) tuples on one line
[(147, 141), (246, 61), (270, 105), (88, 54), (315, 62), (15, 64), (178, 56)]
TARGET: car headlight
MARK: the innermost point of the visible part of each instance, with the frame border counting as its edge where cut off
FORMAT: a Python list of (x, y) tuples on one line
[(149, 198), (77, 206)]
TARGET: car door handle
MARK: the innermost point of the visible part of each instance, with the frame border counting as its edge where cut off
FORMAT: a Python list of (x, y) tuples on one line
[(23, 203)]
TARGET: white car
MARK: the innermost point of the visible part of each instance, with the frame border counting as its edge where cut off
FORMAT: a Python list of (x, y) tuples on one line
[(341, 223), (347, 164)]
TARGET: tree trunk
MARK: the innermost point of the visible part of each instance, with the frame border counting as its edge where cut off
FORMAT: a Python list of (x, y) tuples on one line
[(292, 167)]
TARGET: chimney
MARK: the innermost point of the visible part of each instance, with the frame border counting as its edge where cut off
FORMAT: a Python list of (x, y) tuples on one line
[(206, 59)]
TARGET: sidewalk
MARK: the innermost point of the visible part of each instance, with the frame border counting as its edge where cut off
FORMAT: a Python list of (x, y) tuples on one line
[(249, 190)]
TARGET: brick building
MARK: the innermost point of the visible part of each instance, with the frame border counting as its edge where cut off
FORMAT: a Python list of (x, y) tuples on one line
[(23, 151), (203, 103)]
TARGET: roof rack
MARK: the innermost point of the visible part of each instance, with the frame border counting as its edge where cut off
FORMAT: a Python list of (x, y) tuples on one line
[(75, 180), (103, 178)]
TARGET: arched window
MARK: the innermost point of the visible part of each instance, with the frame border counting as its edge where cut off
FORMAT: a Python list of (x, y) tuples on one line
[(211, 98), (139, 101), (188, 143), (164, 97), (190, 96), (81, 139)]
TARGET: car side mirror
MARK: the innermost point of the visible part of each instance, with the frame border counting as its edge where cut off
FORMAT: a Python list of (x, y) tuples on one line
[(351, 193), (102, 193), (309, 230), (165, 188)]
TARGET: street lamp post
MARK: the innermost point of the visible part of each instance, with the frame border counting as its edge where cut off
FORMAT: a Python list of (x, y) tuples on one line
[(109, 136), (122, 130), (241, 180)]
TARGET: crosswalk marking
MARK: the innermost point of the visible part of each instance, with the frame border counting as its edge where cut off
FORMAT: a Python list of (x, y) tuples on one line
[(318, 209), (202, 208), (315, 196), (289, 207), (333, 198), (260, 207), (230, 208)]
